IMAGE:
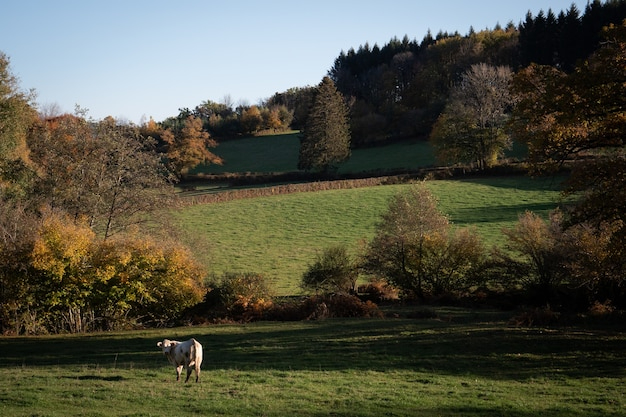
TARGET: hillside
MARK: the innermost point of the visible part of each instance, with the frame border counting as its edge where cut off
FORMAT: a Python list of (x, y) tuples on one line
[(279, 236)]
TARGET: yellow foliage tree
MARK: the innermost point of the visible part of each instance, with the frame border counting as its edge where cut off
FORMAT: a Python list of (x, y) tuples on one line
[(60, 260)]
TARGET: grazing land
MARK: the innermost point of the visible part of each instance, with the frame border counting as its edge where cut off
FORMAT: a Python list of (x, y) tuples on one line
[(279, 153), (278, 236), (468, 363)]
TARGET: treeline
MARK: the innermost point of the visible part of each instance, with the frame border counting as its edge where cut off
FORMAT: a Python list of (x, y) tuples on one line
[(398, 90)]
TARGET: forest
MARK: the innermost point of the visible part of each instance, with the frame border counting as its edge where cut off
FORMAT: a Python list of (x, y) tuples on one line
[(84, 242)]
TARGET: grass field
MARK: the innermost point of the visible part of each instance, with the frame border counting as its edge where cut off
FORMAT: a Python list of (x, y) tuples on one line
[(279, 236), (464, 363), (279, 153)]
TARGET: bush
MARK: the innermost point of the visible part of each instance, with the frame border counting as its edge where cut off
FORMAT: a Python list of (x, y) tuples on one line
[(332, 271), (378, 291), (320, 307), (239, 296), (540, 316)]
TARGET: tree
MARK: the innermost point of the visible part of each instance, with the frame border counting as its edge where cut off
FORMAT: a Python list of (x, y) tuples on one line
[(102, 172), (17, 113), (188, 146), (471, 128), (581, 115), (415, 249), (543, 249), (332, 271), (251, 120), (326, 138)]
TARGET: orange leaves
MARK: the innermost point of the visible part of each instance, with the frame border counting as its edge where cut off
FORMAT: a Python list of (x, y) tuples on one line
[(189, 147)]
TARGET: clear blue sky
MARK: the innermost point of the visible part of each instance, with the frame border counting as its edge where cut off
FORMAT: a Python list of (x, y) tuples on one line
[(140, 58)]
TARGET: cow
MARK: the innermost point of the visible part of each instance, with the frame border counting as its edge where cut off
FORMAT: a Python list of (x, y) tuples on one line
[(186, 355)]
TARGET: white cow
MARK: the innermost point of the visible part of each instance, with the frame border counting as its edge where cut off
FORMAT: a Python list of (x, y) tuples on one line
[(186, 355)]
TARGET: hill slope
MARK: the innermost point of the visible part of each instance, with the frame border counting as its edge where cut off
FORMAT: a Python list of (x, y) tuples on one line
[(279, 236)]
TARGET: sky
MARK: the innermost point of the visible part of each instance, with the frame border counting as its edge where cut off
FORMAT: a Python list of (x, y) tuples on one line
[(136, 59)]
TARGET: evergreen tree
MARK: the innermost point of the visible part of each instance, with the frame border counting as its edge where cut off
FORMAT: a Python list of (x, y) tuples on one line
[(326, 138)]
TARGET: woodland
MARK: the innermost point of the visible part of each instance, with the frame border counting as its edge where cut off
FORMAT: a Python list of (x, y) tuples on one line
[(84, 243)]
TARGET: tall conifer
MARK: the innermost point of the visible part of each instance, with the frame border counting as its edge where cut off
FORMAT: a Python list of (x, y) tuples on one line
[(325, 141)]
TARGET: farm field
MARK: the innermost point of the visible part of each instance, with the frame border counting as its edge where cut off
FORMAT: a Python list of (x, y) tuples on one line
[(468, 363), (279, 236)]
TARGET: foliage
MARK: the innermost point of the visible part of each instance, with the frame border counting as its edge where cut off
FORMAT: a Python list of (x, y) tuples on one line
[(415, 249), (103, 172), (326, 138), (251, 120), (470, 129), (238, 296), (563, 39), (188, 146), (16, 115), (543, 249), (583, 115), (65, 279), (332, 271)]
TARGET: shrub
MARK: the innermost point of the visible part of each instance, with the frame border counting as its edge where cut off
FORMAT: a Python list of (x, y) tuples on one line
[(332, 271), (239, 296), (539, 316), (377, 291), (320, 307)]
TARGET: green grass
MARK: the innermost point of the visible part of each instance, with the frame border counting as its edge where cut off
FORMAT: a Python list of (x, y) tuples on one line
[(279, 153), (279, 236), (467, 363)]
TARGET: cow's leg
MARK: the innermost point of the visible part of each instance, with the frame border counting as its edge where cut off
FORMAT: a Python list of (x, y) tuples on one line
[(179, 370), (197, 371), (189, 370)]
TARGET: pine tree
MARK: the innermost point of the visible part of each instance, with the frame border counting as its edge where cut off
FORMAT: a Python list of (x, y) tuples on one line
[(326, 138)]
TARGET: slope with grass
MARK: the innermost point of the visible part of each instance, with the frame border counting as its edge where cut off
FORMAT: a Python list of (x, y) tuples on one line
[(461, 363), (279, 236), (279, 153)]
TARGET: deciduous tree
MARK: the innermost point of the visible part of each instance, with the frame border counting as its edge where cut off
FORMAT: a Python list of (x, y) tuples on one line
[(17, 113), (189, 146), (415, 249), (471, 128), (103, 172)]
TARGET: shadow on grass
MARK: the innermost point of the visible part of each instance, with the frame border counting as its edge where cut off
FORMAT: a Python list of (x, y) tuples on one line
[(486, 349)]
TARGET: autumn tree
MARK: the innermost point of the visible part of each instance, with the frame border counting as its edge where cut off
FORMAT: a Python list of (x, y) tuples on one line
[(471, 128), (188, 146), (581, 117), (251, 120), (17, 113), (60, 279), (103, 172), (415, 249), (325, 141)]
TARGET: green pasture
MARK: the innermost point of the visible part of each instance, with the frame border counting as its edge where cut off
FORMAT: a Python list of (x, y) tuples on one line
[(463, 363), (279, 153), (279, 236)]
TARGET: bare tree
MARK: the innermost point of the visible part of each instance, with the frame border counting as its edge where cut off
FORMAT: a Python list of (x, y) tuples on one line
[(471, 128)]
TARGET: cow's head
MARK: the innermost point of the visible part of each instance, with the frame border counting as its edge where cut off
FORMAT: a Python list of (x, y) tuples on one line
[(166, 345)]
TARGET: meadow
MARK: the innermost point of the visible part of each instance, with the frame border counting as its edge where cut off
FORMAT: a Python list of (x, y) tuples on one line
[(279, 153), (279, 236), (461, 363)]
